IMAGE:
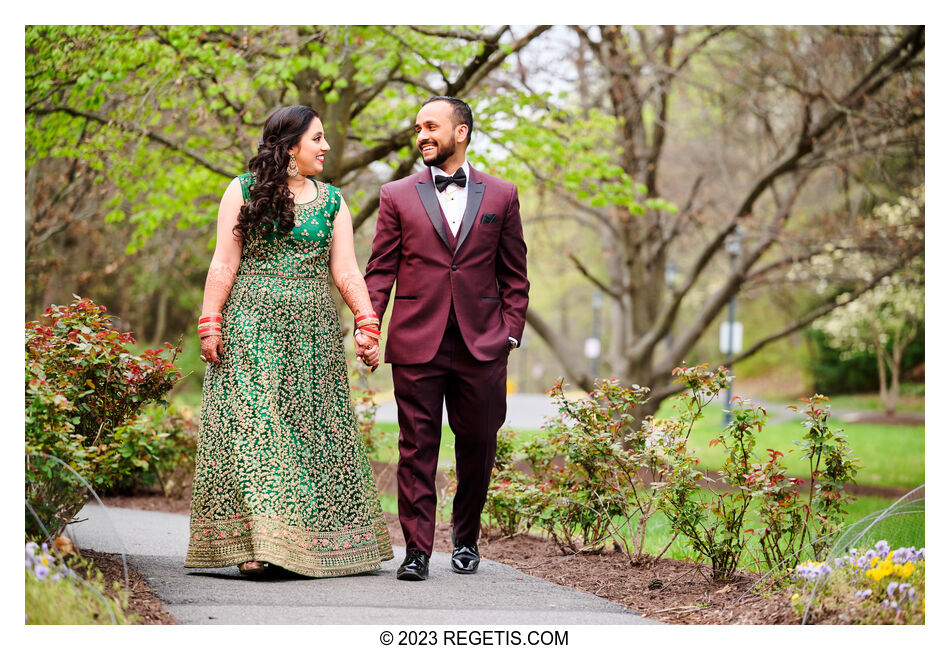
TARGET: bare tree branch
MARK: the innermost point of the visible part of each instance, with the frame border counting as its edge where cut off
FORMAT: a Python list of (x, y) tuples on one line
[(896, 59), (447, 33), (562, 350), (367, 210), (817, 313), (590, 276), (730, 287)]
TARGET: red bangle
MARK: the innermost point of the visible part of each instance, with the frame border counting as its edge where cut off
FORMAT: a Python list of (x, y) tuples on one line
[(210, 319)]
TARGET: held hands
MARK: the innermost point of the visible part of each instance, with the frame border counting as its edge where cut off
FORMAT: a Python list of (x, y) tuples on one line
[(367, 349)]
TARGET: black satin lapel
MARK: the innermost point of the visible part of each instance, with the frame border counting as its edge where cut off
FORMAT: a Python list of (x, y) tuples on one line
[(475, 193), (431, 203)]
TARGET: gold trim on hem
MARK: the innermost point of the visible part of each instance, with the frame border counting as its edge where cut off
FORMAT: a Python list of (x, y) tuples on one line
[(315, 564)]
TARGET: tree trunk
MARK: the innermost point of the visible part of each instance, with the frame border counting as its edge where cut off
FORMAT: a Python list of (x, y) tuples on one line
[(882, 375), (161, 318)]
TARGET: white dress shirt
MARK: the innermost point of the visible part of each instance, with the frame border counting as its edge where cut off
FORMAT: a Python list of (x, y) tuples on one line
[(454, 198)]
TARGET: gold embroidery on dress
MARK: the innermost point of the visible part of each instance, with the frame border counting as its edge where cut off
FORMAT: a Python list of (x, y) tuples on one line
[(281, 472)]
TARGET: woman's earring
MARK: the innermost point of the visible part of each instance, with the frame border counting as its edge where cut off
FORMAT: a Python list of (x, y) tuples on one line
[(292, 167)]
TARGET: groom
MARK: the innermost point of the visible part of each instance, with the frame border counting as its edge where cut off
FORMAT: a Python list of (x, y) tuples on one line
[(450, 239)]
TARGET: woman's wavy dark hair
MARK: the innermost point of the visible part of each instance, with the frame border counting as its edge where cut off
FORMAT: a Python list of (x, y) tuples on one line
[(270, 204)]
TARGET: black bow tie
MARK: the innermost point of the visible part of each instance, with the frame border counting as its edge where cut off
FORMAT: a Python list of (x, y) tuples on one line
[(442, 182)]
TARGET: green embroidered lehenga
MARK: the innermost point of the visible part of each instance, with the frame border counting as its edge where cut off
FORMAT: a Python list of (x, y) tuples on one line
[(281, 473)]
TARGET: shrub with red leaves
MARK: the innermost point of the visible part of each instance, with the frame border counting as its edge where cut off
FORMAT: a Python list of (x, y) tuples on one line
[(82, 383)]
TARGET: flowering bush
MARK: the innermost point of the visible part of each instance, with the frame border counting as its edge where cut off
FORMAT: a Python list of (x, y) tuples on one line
[(878, 586), (42, 563), (68, 591), (82, 386)]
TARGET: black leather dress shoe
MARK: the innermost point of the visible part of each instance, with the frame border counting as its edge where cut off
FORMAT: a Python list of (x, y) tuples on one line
[(464, 557), (414, 567)]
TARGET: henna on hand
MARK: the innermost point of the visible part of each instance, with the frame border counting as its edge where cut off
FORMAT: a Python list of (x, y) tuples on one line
[(211, 348), (217, 289), (353, 289)]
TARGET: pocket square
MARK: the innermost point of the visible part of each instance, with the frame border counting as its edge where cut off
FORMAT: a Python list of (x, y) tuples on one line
[(491, 217)]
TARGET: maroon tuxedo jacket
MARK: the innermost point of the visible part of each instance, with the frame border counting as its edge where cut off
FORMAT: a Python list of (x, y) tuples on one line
[(485, 277)]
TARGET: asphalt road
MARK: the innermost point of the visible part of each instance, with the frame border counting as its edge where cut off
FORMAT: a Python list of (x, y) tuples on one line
[(155, 543)]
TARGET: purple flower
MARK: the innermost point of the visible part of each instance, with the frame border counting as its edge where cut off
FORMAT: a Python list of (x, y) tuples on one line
[(861, 595), (41, 571), (891, 588), (905, 554), (813, 570), (882, 548)]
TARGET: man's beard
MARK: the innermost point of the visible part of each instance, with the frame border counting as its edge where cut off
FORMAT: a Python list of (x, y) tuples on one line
[(441, 155)]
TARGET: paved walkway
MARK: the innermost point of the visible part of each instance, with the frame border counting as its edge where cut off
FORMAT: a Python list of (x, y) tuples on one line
[(155, 545)]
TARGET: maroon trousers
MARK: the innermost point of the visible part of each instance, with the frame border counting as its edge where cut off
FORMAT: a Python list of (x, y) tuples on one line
[(474, 394)]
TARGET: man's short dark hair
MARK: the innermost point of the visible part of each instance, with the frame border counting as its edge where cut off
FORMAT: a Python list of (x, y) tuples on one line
[(460, 112)]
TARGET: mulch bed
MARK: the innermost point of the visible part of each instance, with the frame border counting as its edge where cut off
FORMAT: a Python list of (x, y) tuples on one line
[(142, 601), (672, 591)]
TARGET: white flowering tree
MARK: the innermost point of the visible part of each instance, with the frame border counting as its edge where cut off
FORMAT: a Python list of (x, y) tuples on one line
[(887, 318)]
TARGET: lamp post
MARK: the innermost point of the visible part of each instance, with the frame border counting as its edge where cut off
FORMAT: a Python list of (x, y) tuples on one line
[(592, 345), (731, 339), (669, 275)]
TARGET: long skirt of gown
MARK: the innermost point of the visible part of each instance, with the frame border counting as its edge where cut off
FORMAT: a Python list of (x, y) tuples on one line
[(282, 474)]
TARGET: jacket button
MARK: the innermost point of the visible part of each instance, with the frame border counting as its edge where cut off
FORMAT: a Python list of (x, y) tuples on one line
[(454, 267)]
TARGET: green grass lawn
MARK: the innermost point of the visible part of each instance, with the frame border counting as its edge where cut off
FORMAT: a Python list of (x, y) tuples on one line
[(388, 453), (872, 402), (898, 530), (890, 455)]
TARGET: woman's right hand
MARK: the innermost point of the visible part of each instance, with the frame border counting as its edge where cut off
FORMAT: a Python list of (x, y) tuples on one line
[(212, 347)]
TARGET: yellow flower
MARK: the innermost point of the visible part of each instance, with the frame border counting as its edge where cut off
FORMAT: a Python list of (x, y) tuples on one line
[(904, 570), (794, 598), (879, 572), (874, 561)]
